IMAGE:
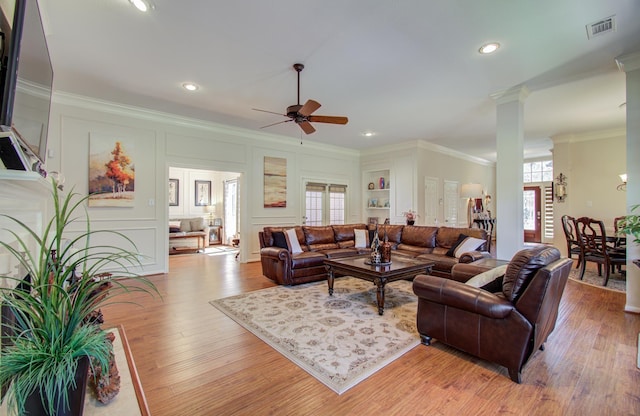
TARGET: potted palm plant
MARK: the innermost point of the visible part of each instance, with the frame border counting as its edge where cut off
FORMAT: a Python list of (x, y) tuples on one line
[(51, 337), (630, 225)]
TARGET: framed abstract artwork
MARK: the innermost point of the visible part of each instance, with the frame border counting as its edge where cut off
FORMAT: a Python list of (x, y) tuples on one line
[(203, 193), (275, 182), (174, 192)]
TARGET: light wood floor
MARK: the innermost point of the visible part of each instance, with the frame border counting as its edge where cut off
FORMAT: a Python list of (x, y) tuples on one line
[(193, 360)]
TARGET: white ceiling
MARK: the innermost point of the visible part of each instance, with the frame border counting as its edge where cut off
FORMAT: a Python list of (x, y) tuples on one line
[(405, 69)]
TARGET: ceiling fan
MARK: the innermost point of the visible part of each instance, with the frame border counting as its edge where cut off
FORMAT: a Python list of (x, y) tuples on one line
[(302, 114)]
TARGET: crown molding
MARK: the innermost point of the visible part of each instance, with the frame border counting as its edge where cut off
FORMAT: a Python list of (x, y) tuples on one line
[(518, 93), (593, 135), (628, 62), (128, 111), (425, 145)]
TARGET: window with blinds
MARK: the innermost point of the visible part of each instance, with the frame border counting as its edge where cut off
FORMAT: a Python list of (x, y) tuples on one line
[(325, 203), (548, 212)]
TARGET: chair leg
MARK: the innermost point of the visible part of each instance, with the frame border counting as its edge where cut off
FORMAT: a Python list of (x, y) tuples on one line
[(606, 274), (583, 267), (425, 339)]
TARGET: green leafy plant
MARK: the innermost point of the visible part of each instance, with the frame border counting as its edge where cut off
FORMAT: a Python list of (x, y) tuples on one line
[(631, 225), (52, 329)]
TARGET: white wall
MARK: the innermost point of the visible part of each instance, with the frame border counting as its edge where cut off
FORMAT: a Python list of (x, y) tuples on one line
[(592, 163), (411, 162), (162, 141), (186, 207)]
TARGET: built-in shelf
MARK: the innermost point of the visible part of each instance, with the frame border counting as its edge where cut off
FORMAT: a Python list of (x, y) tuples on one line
[(376, 197)]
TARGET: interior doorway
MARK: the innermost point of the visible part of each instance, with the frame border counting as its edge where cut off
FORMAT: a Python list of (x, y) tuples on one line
[(189, 187), (532, 214)]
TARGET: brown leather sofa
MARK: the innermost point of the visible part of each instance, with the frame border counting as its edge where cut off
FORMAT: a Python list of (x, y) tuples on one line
[(505, 327), (335, 241)]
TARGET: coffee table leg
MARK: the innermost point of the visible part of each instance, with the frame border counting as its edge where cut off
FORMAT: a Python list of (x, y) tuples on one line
[(330, 280), (380, 295)]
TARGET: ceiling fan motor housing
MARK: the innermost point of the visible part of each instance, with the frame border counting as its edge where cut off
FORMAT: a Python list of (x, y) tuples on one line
[(292, 110)]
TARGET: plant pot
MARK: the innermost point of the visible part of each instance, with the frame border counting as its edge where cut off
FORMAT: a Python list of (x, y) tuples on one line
[(410, 222), (34, 404)]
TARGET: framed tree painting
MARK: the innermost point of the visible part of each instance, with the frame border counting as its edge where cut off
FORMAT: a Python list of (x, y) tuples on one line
[(174, 192), (111, 172), (203, 193)]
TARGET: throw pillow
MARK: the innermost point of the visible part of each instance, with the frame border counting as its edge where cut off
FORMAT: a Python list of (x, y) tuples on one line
[(292, 241), (185, 226), (197, 224), (279, 240), (487, 277), (361, 238), (454, 246), (174, 229), (469, 244)]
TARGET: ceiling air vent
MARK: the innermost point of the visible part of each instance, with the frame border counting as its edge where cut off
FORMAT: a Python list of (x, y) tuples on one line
[(601, 27)]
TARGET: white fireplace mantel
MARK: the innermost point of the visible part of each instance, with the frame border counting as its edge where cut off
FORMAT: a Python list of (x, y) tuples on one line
[(27, 197)]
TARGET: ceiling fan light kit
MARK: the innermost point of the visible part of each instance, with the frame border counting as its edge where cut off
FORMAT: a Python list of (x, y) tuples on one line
[(302, 114)]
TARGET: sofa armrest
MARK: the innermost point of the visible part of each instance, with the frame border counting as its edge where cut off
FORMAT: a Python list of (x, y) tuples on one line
[(471, 256), (276, 253), (462, 272), (458, 295)]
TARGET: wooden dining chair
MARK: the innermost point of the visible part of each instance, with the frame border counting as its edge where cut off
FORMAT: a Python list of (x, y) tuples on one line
[(573, 245), (593, 244)]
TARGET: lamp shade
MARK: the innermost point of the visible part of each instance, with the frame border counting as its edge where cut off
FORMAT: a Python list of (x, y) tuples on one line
[(471, 190)]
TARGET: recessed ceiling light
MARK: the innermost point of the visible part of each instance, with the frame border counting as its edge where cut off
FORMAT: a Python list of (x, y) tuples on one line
[(142, 5), (368, 133), (489, 48), (190, 86)]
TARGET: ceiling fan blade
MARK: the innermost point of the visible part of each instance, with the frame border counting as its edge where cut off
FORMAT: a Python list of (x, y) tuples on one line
[(270, 112), (309, 107), (328, 119), (273, 124), (306, 126)]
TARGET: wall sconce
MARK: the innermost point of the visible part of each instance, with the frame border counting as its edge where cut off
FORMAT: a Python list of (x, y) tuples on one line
[(561, 187), (623, 185)]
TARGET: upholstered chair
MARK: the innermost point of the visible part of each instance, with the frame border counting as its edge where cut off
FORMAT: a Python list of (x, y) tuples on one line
[(506, 327)]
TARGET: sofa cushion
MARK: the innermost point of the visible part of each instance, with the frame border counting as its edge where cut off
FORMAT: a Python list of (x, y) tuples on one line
[(292, 241), (319, 237), (452, 251), (394, 233), (197, 224), (523, 266), (419, 236), (447, 236), (279, 240), (185, 225), (174, 228)]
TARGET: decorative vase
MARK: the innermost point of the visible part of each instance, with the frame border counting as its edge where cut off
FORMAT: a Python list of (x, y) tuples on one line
[(411, 222), (381, 183), (385, 249), (34, 403)]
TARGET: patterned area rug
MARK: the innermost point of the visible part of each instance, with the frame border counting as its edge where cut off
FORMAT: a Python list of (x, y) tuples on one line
[(616, 280), (339, 339)]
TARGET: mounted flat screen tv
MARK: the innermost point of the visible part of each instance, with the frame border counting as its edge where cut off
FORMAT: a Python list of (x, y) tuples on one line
[(26, 78)]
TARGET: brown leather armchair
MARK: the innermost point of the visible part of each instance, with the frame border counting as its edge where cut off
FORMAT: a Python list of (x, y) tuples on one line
[(505, 328)]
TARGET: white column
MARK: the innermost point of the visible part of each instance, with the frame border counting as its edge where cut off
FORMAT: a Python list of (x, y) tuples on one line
[(510, 151), (630, 64)]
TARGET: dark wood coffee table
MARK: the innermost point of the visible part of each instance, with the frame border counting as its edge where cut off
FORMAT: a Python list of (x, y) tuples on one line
[(379, 275)]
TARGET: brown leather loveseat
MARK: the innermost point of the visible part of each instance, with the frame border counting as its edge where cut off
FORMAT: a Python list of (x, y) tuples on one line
[(505, 327), (334, 241)]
